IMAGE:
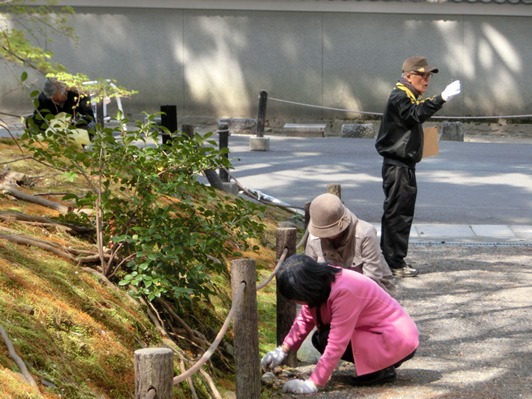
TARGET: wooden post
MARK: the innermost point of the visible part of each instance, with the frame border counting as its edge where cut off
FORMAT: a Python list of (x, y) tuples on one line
[(154, 371), (246, 330), (223, 142), (100, 117), (188, 130), (335, 189), (261, 118), (307, 214), (286, 310)]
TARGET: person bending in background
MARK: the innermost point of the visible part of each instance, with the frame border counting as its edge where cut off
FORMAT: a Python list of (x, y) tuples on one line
[(56, 98), (338, 237), (400, 143), (356, 321)]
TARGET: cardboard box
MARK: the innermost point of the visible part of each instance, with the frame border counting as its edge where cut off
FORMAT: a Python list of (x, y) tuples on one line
[(430, 142)]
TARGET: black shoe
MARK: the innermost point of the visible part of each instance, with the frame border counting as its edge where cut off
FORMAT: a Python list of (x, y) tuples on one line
[(378, 377), (405, 271)]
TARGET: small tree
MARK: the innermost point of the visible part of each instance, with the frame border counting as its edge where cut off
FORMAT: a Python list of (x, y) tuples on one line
[(25, 30), (158, 227)]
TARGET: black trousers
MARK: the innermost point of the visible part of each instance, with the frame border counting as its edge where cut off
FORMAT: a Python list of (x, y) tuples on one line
[(400, 191), (320, 338)]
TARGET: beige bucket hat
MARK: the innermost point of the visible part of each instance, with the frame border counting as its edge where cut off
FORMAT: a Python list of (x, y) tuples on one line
[(328, 216)]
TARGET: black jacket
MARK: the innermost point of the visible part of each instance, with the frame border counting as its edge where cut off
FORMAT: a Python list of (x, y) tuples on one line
[(400, 137), (77, 106)]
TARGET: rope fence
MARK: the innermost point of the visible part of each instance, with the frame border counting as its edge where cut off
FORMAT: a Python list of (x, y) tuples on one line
[(207, 355), (272, 275), (525, 116), (155, 364), (225, 326)]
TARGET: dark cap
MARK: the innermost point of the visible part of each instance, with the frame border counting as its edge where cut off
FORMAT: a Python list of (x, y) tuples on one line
[(418, 63)]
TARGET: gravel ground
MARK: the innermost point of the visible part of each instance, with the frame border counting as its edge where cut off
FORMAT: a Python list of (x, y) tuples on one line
[(473, 307)]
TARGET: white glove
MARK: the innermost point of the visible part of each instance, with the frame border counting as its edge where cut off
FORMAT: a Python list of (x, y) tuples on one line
[(299, 386), (451, 90), (274, 358)]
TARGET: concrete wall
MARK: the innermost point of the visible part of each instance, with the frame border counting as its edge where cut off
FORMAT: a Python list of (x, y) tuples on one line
[(214, 63)]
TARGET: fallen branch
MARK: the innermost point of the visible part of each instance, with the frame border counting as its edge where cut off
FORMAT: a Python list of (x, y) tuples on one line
[(19, 239), (10, 189), (67, 253), (210, 384), (16, 160), (175, 316), (189, 380), (42, 221), (18, 360)]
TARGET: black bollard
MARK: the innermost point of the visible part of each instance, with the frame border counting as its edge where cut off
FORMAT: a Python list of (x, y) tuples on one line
[(261, 118), (168, 120)]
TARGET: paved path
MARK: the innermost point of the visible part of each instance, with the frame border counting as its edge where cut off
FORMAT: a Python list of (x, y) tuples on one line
[(273, 172), (294, 170), (462, 233)]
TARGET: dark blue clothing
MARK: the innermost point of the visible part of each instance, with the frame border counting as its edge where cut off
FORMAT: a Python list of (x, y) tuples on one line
[(79, 107), (400, 143)]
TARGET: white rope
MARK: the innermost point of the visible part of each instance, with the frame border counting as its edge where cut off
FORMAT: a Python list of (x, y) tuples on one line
[(380, 113), (207, 355), (236, 301), (270, 277), (319, 106)]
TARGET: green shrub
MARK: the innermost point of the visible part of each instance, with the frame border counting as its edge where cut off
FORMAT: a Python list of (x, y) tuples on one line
[(158, 227)]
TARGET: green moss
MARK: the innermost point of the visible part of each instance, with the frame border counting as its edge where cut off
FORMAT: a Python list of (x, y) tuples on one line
[(77, 336)]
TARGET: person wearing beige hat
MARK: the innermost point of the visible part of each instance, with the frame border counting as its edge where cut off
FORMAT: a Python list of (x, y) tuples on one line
[(338, 237), (400, 143)]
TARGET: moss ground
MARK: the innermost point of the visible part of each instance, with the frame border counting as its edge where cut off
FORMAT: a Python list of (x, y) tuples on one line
[(77, 335)]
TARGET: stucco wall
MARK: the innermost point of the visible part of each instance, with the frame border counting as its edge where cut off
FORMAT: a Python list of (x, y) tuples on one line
[(214, 63)]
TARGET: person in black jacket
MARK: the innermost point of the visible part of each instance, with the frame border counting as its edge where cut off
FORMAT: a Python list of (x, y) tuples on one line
[(56, 98), (400, 143)]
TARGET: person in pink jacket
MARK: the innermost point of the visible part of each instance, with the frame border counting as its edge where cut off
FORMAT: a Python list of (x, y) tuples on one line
[(356, 321)]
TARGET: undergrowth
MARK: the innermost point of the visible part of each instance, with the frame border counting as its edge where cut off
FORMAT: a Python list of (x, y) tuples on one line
[(76, 334)]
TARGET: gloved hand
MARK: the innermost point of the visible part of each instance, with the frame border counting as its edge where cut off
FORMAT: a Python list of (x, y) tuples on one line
[(274, 358), (299, 386), (451, 90)]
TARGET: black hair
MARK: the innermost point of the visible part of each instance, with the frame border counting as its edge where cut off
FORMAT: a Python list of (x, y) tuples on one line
[(301, 278)]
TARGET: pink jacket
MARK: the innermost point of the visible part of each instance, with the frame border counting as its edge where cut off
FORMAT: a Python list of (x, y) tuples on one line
[(359, 311)]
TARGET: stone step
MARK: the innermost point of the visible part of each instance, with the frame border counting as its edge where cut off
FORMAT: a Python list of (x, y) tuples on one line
[(303, 130)]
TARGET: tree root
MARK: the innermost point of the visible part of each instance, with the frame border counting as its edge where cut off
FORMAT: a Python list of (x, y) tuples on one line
[(66, 253), (45, 222), (18, 360)]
